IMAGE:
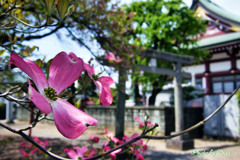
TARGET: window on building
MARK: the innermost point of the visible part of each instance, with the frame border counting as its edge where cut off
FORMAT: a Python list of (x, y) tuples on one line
[(223, 84), (198, 82)]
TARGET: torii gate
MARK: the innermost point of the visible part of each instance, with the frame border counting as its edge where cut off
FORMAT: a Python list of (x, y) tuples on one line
[(177, 60)]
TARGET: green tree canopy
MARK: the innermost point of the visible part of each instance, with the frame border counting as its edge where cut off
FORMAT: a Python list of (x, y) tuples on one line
[(165, 25), (100, 21)]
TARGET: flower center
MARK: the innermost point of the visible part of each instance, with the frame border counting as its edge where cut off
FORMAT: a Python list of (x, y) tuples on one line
[(95, 77), (50, 93)]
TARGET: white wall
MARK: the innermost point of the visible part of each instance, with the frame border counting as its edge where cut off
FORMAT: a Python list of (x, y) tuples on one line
[(220, 66)]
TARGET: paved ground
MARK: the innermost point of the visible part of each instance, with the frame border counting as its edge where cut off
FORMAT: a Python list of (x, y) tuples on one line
[(204, 149)]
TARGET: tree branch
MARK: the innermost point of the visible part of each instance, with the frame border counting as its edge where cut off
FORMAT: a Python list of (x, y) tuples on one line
[(81, 42), (44, 35), (32, 141), (198, 124), (143, 135)]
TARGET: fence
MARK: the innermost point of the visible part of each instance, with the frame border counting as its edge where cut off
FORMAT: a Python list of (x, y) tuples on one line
[(164, 116), (226, 122)]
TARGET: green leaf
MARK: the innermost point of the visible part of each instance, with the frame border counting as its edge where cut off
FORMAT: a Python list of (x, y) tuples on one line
[(49, 4), (70, 10), (47, 67), (62, 7), (15, 39), (33, 48), (39, 62), (22, 38), (10, 139), (1, 52)]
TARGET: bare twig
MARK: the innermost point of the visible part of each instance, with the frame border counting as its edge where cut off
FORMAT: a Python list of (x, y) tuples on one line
[(26, 24), (21, 133), (8, 95), (122, 145), (11, 98), (143, 135), (81, 42), (10, 91), (34, 123), (198, 124)]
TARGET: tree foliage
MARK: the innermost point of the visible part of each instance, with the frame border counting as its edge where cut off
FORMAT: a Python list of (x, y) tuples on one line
[(86, 21), (165, 25), (99, 23)]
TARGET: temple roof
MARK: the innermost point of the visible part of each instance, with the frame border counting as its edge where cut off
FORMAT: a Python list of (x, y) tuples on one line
[(226, 39), (223, 29), (211, 11)]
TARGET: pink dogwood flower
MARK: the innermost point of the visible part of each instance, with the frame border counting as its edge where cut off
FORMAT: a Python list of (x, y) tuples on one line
[(28, 146), (135, 147), (25, 154), (103, 84), (107, 148), (139, 156), (69, 120), (110, 56), (94, 139), (141, 124), (111, 136), (82, 153)]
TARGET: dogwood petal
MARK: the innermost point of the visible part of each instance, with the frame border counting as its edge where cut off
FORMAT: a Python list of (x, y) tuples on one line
[(103, 84), (110, 56), (149, 124), (140, 122), (139, 157), (64, 71), (138, 119), (30, 68), (33, 151), (94, 139), (70, 121), (92, 153), (26, 144), (38, 99), (118, 60), (41, 78), (73, 56), (23, 152), (126, 138), (71, 154), (113, 154), (89, 69), (139, 142), (81, 151)]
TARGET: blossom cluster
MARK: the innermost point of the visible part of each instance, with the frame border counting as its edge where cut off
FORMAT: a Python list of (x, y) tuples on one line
[(142, 125), (28, 149), (64, 70), (135, 149)]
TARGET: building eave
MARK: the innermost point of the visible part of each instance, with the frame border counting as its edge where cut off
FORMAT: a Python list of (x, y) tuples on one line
[(218, 13), (217, 41)]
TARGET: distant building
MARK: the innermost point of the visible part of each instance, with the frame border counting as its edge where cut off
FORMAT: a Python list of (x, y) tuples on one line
[(220, 74)]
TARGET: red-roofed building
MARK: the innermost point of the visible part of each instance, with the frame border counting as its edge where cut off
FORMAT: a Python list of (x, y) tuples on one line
[(219, 75), (221, 72)]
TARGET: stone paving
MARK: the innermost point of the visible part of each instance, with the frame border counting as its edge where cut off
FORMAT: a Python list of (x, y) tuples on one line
[(204, 149)]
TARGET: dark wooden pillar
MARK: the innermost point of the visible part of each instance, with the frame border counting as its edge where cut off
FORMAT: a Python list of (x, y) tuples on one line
[(120, 110)]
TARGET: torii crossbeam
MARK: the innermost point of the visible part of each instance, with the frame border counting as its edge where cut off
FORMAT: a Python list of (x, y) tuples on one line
[(177, 60)]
